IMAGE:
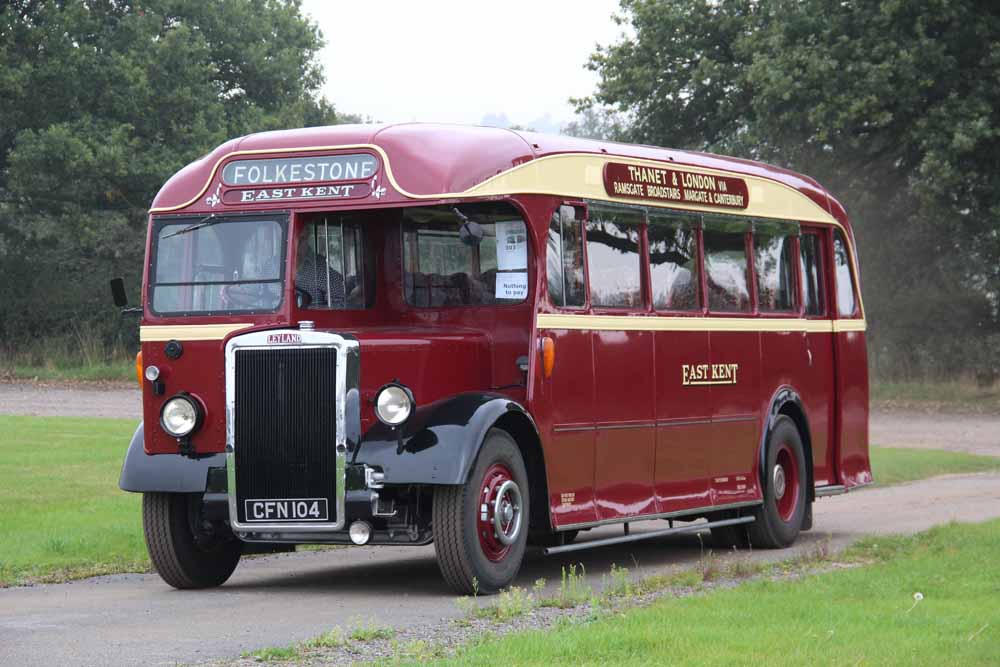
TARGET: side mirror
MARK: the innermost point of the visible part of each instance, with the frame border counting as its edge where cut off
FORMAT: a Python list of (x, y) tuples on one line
[(302, 298), (118, 292), (471, 233)]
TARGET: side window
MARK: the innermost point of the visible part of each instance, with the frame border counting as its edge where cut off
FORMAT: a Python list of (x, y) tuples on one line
[(673, 262), (331, 265), (726, 265), (811, 266), (613, 257), (564, 258), (442, 269), (774, 263), (845, 284)]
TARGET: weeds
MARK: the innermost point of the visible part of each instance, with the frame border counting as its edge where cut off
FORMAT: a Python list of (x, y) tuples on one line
[(331, 639), (275, 653), (370, 632), (573, 589)]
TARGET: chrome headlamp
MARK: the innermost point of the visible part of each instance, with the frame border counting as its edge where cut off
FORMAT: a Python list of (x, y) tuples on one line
[(180, 416), (393, 404)]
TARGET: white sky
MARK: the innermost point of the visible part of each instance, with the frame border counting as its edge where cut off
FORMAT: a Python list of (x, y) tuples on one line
[(457, 61)]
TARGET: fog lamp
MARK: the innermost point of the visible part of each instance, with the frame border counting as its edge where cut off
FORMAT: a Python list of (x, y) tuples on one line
[(393, 404), (179, 416), (360, 532)]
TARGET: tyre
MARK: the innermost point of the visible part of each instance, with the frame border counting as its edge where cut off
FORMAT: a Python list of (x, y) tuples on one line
[(481, 527), (183, 556), (779, 518)]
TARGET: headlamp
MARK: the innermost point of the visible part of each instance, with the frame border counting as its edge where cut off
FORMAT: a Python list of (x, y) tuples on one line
[(393, 404), (179, 416)]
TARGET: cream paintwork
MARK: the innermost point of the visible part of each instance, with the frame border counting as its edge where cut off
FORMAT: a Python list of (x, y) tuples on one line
[(694, 323), (189, 331)]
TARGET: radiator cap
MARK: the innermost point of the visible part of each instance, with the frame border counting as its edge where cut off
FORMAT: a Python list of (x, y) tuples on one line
[(307, 325)]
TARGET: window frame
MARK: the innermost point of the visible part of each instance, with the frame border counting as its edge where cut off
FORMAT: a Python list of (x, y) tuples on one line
[(855, 285), (284, 222), (644, 292), (707, 220), (822, 283), (797, 303), (695, 220), (583, 207)]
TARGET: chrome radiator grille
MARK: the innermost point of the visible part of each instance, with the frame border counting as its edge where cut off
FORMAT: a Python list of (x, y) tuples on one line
[(284, 427)]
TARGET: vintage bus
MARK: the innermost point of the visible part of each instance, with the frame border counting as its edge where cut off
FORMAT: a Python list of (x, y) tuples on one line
[(487, 339)]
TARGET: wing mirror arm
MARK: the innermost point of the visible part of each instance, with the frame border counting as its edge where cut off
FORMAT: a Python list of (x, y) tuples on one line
[(121, 299)]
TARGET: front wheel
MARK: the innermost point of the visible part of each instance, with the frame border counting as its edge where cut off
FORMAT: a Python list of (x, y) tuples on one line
[(183, 555), (481, 527), (780, 517)]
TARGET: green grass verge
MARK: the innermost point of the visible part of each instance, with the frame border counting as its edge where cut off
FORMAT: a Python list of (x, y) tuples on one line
[(62, 514), (892, 465), (123, 371), (964, 396), (860, 616), (64, 517)]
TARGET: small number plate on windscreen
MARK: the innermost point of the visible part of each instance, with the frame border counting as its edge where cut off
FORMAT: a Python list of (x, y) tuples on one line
[(287, 509)]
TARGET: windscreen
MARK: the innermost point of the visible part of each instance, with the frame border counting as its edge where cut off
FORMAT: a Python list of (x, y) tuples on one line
[(217, 265)]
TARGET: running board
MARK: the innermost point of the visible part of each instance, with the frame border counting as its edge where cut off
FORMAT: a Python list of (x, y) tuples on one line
[(691, 528), (832, 490)]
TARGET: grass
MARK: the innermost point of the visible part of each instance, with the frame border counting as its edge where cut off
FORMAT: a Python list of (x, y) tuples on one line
[(891, 465), (120, 371), (957, 396), (858, 616), (62, 514)]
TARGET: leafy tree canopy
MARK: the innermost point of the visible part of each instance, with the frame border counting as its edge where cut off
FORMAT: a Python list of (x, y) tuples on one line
[(894, 105), (101, 101)]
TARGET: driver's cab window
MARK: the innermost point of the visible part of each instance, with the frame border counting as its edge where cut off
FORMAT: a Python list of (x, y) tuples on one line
[(333, 270)]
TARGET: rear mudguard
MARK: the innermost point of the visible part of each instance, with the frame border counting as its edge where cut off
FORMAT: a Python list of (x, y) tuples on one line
[(170, 473), (439, 443), (787, 396)]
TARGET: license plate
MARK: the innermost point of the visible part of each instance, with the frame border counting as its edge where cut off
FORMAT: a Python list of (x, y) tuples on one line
[(287, 509)]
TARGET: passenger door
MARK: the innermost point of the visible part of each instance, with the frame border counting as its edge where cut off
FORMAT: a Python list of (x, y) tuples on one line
[(569, 391)]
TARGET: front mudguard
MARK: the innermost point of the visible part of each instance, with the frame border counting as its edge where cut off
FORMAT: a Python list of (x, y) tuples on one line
[(168, 473), (440, 441)]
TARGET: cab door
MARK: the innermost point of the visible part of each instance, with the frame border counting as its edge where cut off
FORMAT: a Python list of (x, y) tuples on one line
[(568, 392)]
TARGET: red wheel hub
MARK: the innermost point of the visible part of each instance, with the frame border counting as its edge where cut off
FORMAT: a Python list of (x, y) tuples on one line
[(498, 517), (785, 482)]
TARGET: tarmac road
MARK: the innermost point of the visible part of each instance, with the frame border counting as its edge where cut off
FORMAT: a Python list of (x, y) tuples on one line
[(272, 601)]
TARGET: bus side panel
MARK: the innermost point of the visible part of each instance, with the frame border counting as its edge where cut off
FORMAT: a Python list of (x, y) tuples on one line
[(626, 430), (852, 392), (569, 439), (736, 415), (683, 423), (815, 385)]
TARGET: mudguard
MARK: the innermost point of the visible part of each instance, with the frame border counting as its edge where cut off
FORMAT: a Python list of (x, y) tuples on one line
[(784, 396), (171, 473), (439, 443)]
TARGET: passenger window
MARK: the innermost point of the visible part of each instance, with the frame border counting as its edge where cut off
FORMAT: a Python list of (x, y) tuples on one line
[(773, 260), (564, 258), (811, 267), (443, 269), (613, 257), (726, 265), (845, 285), (673, 262), (331, 265)]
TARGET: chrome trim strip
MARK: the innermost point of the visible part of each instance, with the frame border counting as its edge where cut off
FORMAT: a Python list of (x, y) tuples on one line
[(734, 418), (570, 429), (610, 427), (664, 515), (346, 348), (683, 422), (831, 490)]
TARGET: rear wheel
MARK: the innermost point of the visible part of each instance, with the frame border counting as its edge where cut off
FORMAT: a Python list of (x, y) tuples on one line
[(183, 554), (779, 518), (481, 527)]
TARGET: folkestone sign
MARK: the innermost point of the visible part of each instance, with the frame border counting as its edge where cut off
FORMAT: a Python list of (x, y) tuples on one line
[(673, 185), (322, 168)]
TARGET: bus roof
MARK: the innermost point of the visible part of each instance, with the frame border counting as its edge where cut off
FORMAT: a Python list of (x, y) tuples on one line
[(428, 160)]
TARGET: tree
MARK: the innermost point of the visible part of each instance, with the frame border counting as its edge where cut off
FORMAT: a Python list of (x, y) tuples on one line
[(100, 102), (894, 105)]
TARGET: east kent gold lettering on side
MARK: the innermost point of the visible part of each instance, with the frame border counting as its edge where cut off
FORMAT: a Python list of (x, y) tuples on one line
[(703, 374)]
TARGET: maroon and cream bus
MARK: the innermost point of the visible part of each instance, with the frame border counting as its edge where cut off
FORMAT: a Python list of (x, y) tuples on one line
[(486, 339)]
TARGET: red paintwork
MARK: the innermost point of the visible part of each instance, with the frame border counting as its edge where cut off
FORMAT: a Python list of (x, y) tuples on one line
[(620, 434)]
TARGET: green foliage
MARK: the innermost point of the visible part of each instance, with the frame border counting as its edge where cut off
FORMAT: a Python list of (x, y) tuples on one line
[(891, 465), (895, 106), (102, 102)]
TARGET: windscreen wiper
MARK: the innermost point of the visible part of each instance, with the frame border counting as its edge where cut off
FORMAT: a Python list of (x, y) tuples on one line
[(207, 221)]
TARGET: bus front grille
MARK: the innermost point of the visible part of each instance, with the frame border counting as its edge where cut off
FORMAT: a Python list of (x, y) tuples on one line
[(285, 433)]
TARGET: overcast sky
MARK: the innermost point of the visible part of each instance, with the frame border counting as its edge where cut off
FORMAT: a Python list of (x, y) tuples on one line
[(461, 61)]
